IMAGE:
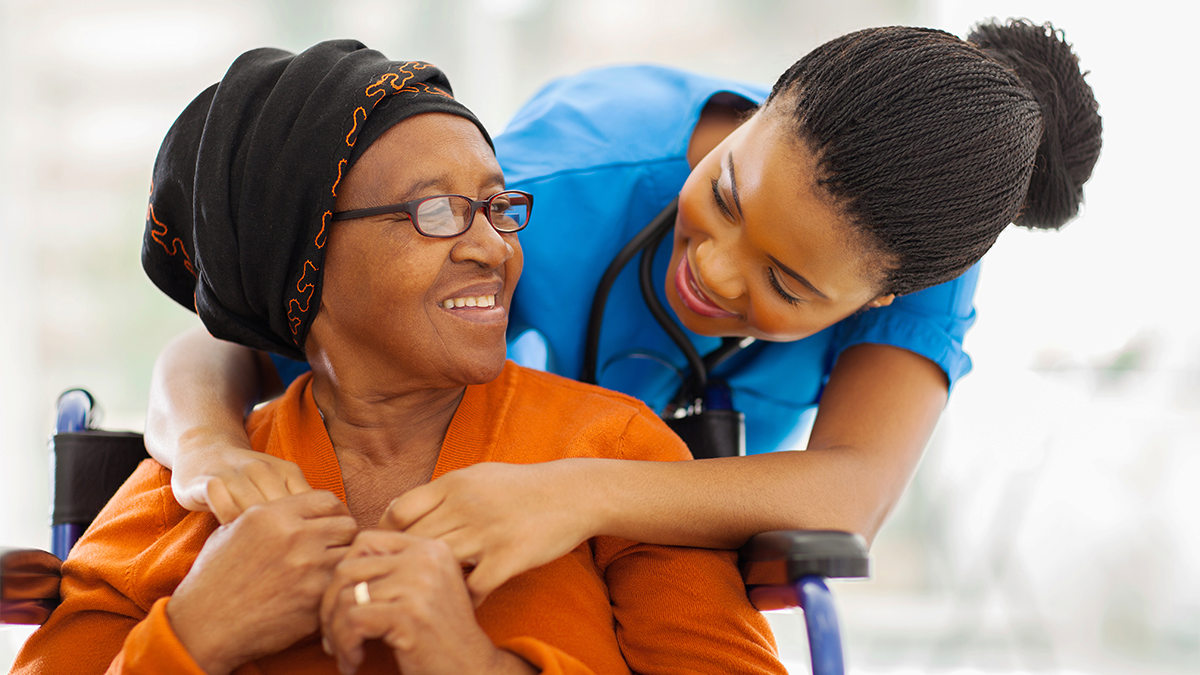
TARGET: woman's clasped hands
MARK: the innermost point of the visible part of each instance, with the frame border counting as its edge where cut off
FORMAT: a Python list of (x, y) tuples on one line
[(408, 592), (285, 567)]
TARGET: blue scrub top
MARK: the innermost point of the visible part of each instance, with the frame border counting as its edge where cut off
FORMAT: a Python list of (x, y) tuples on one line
[(603, 152)]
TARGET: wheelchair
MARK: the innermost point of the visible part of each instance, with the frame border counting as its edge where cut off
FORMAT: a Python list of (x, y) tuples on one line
[(781, 569)]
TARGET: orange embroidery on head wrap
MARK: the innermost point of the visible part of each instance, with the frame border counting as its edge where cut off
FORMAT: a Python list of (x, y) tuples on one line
[(302, 287), (176, 246), (320, 240), (379, 86), (353, 135), (341, 163), (427, 88)]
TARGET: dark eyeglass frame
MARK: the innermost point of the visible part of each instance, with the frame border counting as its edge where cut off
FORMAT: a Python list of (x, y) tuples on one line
[(410, 209)]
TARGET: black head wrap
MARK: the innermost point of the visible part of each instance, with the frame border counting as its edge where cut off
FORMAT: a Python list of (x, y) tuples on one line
[(245, 182)]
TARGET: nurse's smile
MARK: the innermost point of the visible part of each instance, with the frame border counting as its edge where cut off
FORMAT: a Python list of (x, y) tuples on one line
[(692, 294)]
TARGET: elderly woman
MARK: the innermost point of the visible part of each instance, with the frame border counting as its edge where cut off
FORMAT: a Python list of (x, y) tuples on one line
[(345, 208)]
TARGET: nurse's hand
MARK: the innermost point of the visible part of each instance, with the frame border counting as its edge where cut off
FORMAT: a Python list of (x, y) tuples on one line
[(226, 480), (200, 392), (504, 519), (408, 592)]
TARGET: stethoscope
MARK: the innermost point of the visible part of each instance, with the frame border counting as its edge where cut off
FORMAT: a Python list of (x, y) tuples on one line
[(694, 395)]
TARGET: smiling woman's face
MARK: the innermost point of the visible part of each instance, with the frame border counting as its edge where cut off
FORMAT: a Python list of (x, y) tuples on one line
[(757, 250), (383, 308)]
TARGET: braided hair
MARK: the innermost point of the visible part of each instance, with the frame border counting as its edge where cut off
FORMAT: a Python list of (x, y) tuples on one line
[(931, 145)]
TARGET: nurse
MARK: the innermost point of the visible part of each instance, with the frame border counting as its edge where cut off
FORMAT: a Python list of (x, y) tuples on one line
[(836, 219)]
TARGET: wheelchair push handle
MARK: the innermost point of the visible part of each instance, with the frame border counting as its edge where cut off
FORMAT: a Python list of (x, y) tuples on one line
[(76, 411)]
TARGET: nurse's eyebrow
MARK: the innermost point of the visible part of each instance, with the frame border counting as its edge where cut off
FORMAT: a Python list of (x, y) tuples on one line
[(798, 277), (733, 183)]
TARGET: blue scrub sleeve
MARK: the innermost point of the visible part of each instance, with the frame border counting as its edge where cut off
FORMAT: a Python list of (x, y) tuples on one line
[(931, 323)]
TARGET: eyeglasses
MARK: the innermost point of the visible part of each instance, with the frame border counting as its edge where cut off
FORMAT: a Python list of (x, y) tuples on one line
[(444, 216)]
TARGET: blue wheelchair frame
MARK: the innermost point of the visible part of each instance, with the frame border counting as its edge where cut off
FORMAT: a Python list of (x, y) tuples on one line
[(75, 413), (781, 569)]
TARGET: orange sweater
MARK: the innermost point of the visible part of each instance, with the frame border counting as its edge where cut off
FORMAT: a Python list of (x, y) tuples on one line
[(609, 606)]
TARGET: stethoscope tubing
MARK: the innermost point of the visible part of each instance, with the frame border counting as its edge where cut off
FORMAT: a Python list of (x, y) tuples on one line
[(647, 242)]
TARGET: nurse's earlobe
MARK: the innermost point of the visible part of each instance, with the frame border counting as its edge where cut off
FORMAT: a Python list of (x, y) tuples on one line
[(881, 301)]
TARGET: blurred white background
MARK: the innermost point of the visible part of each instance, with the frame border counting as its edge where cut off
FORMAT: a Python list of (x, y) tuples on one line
[(1054, 525)]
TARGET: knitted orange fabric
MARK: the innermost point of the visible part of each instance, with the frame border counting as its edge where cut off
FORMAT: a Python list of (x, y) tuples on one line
[(609, 606)]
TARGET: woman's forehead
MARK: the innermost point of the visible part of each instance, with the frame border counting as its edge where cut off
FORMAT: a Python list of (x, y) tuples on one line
[(425, 154)]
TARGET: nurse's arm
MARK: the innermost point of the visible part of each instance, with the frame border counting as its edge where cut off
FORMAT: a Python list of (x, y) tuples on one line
[(879, 410), (200, 391), (875, 417)]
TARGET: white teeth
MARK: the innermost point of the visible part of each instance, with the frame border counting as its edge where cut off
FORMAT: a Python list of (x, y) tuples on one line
[(475, 301)]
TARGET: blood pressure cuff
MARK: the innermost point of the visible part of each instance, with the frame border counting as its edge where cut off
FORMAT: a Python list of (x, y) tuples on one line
[(712, 433)]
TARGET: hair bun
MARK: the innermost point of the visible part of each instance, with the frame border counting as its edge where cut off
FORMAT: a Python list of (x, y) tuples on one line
[(1070, 141)]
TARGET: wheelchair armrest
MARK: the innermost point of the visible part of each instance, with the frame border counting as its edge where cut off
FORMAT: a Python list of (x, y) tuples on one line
[(29, 585), (89, 467), (773, 563)]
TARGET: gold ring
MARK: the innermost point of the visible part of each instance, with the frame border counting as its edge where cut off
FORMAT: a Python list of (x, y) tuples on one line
[(361, 595)]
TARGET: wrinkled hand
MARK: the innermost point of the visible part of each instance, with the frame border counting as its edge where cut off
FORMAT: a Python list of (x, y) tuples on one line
[(418, 606), (257, 584), (504, 519), (227, 480)]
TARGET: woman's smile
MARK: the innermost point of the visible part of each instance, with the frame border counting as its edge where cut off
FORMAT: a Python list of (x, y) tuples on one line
[(692, 294), (484, 301), (478, 303)]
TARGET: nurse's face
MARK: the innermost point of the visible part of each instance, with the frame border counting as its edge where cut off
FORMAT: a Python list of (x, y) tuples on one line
[(758, 250)]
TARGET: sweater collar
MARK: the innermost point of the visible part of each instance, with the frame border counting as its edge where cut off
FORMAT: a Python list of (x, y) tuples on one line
[(471, 438)]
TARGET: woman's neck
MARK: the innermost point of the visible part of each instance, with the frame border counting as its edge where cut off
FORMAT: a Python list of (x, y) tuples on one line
[(386, 427), (386, 443)]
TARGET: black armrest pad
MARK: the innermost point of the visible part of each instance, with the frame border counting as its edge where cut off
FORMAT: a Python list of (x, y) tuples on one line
[(781, 557), (89, 467), (29, 582)]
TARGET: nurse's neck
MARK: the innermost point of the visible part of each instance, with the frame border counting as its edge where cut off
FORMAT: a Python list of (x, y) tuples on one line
[(723, 113)]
